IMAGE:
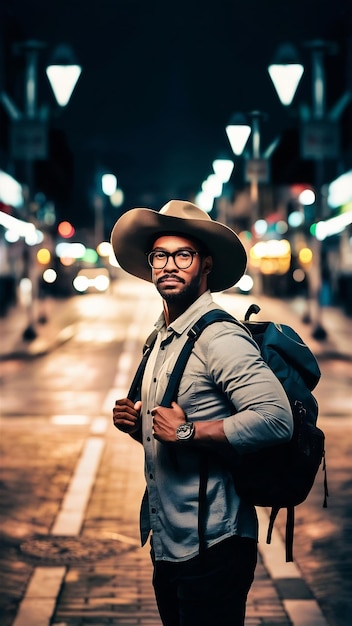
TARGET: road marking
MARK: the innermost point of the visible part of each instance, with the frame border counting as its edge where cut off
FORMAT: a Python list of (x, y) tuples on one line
[(304, 613), (38, 605), (70, 518), (273, 554), (303, 610)]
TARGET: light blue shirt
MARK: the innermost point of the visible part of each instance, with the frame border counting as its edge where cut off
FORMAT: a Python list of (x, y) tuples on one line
[(225, 378)]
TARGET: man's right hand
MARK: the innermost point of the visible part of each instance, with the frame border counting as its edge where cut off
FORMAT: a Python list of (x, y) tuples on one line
[(127, 416)]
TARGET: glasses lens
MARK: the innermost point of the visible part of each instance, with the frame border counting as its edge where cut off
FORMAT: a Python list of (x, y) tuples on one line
[(157, 259), (183, 259)]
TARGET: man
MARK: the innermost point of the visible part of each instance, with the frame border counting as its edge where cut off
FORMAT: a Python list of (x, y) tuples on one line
[(228, 399)]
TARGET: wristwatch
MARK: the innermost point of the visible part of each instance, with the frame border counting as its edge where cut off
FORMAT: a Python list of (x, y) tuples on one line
[(185, 432)]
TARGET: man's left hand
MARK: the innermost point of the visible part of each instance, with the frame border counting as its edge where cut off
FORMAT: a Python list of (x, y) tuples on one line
[(165, 422)]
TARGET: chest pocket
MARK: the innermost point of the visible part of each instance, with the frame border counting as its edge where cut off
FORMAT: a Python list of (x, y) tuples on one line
[(187, 396), (163, 379), (192, 381)]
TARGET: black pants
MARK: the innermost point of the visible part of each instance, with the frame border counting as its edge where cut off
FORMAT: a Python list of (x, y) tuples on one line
[(207, 591)]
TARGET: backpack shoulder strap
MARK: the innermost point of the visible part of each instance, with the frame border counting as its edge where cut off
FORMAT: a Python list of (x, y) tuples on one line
[(136, 382), (290, 524), (215, 315)]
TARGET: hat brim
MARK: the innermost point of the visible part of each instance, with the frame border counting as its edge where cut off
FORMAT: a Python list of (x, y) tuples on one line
[(136, 230)]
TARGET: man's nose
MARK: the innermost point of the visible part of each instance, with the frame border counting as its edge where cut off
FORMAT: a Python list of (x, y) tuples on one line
[(171, 263)]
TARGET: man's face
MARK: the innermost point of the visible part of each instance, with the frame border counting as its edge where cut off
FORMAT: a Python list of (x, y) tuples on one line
[(176, 284)]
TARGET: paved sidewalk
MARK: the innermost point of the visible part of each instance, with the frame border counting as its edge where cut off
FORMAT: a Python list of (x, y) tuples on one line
[(55, 326), (98, 576), (110, 584)]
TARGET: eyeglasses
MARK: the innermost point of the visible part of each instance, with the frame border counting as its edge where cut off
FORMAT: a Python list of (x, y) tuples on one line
[(183, 259)]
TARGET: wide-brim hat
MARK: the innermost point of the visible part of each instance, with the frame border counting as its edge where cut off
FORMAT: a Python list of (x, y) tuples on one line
[(136, 230)]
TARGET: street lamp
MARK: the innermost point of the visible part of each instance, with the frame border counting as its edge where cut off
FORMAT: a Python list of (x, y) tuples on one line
[(108, 184), (223, 169), (286, 72), (63, 73), (238, 131), (319, 141), (29, 130)]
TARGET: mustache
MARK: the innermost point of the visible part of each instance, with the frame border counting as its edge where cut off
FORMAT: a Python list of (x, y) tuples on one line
[(173, 276)]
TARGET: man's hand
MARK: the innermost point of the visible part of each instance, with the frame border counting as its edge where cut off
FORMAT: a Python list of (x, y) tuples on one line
[(165, 422), (127, 416)]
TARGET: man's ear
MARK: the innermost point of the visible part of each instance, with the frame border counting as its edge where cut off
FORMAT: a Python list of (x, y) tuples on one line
[(207, 264)]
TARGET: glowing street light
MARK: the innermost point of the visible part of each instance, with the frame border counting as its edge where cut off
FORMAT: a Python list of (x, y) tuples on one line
[(63, 73), (205, 201), (212, 185), (108, 184), (238, 131), (223, 169), (286, 72)]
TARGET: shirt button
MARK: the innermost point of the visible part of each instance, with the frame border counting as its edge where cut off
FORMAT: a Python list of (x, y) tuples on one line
[(153, 510), (151, 476), (154, 381), (148, 438)]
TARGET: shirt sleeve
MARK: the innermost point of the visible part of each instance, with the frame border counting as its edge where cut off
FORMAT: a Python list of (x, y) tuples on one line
[(262, 415)]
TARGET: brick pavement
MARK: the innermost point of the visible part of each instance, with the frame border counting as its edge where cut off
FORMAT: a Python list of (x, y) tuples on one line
[(100, 588), (107, 577)]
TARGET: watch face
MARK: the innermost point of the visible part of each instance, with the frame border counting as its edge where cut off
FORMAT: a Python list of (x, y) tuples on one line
[(185, 431)]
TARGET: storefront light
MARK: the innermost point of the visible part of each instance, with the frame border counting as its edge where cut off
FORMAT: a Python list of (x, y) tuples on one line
[(340, 191), (10, 190), (335, 225)]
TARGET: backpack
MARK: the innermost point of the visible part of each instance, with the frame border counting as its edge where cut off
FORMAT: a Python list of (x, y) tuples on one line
[(279, 476)]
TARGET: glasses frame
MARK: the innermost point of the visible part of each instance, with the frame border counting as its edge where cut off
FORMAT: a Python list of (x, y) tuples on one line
[(193, 253)]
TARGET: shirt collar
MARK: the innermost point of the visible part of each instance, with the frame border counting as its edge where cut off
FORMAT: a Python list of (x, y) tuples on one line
[(188, 317)]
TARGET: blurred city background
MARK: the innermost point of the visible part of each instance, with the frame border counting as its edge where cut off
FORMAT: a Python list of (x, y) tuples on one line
[(243, 108)]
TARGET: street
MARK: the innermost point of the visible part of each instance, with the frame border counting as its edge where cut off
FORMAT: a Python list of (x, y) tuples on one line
[(71, 484)]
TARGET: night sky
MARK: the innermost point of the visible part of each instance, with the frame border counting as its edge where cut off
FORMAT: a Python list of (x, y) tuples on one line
[(160, 81)]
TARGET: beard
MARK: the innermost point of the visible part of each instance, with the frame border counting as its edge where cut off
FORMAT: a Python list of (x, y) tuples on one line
[(186, 296)]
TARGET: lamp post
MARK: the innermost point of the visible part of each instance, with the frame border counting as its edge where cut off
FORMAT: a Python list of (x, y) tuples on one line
[(256, 166), (319, 141), (104, 187), (29, 133)]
